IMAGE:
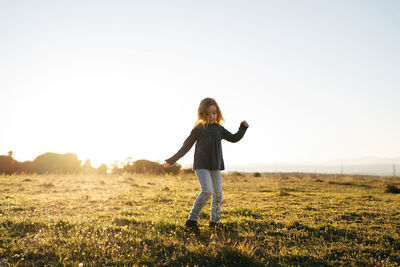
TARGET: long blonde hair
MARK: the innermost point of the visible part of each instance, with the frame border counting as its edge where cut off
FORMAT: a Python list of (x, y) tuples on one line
[(202, 112)]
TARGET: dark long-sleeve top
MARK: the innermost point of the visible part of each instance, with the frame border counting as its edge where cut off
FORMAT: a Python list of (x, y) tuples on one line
[(208, 150)]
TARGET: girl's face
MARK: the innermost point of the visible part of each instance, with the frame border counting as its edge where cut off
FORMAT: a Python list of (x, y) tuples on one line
[(212, 114)]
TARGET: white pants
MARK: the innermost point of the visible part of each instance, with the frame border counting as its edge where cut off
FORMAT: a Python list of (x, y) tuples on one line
[(211, 184)]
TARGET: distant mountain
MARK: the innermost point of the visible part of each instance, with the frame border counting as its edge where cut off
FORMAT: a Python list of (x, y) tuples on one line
[(366, 166), (367, 160)]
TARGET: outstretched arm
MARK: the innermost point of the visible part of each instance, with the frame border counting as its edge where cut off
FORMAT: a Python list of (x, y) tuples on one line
[(187, 145), (237, 136)]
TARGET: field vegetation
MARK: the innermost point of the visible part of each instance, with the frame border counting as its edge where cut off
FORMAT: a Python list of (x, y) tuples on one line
[(132, 219)]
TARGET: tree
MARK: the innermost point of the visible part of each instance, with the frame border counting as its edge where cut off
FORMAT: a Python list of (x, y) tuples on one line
[(25, 167), (115, 168), (87, 166), (102, 169), (7, 165), (57, 163)]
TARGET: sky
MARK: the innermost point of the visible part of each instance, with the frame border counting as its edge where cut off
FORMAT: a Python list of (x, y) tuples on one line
[(315, 80)]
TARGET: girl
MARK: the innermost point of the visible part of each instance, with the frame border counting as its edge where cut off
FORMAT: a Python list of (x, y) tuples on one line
[(208, 161)]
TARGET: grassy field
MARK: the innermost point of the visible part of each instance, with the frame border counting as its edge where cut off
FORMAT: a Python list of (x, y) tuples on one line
[(97, 220)]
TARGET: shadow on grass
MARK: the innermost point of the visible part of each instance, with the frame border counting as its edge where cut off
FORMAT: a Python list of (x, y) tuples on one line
[(325, 231), (292, 190), (226, 256), (34, 258), (366, 186), (21, 228), (245, 212), (302, 260)]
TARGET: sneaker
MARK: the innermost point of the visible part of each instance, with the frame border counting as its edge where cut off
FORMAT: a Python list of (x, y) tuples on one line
[(218, 226), (192, 226)]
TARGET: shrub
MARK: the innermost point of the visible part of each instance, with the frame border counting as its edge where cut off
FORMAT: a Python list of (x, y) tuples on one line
[(187, 171), (391, 188), (150, 167), (238, 174)]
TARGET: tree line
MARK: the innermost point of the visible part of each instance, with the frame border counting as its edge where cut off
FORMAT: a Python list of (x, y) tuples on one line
[(69, 163)]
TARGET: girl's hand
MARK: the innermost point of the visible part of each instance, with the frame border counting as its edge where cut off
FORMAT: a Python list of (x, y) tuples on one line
[(245, 123), (166, 165)]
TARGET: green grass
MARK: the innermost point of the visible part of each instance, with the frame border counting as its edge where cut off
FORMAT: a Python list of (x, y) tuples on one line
[(138, 220)]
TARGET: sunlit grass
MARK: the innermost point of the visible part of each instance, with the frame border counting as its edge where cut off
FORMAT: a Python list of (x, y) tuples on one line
[(138, 220)]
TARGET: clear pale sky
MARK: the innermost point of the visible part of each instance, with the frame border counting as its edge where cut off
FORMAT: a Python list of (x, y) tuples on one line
[(316, 80)]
